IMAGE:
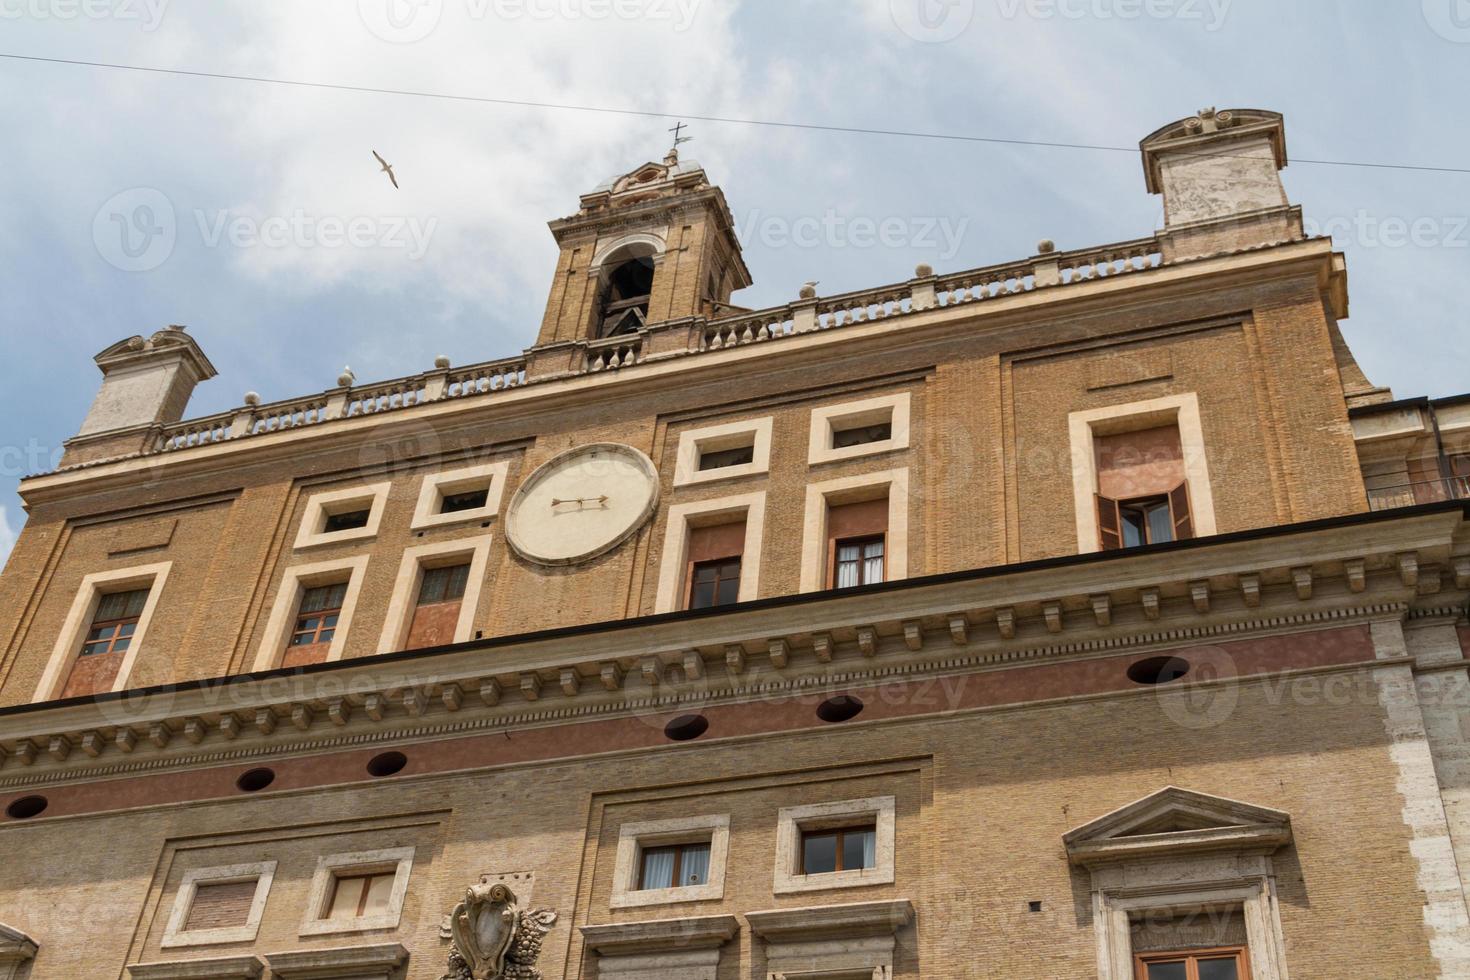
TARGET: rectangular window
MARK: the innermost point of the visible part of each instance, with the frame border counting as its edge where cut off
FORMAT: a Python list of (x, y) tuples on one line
[(1211, 964), (221, 906), (715, 559), (679, 866), (350, 520), (720, 459), (357, 896), (436, 613), (847, 849), (859, 562), (861, 435), (469, 500), (316, 624), (106, 642), (1143, 521), (857, 543)]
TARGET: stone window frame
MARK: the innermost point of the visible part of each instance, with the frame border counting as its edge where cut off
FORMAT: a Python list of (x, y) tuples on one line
[(675, 555), (854, 489), (1223, 865), (490, 477), (403, 600), (320, 506), (84, 609), (893, 409), (633, 838), (792, 821), (755, 433), (224, 968), (329, 867), (294, 582), (175, 935), (1085, 426)]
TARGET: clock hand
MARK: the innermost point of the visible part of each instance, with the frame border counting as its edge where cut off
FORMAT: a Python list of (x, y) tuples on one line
[(581, 500)]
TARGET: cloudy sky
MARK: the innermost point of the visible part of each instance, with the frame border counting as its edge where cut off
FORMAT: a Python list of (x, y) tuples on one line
[(234, 196)]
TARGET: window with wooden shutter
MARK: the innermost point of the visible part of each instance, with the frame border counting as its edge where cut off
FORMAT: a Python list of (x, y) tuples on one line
[(221, 905), (106, 643), (857, 540), (436, 613), (1142, 493), (715, 560)]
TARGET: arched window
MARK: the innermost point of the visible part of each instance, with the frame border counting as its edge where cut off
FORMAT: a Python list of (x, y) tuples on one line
[(624, 304)]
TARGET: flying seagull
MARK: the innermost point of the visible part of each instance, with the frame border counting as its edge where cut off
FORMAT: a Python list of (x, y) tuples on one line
[(387, 168)]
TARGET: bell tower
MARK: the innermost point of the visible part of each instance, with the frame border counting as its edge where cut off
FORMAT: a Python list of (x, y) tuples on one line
[(654, 245)]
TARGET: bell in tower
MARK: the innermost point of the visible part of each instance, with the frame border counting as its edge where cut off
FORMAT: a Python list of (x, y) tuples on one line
[(648, 247)]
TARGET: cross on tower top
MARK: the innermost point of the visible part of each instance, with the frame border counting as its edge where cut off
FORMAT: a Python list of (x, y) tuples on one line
[(678, 137)]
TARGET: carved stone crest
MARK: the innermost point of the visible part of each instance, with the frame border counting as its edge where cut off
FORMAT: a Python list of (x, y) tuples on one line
[(494, 938)]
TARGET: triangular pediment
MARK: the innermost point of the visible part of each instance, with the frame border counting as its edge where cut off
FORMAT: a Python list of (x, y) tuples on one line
[(1178, 820), (15, 946)]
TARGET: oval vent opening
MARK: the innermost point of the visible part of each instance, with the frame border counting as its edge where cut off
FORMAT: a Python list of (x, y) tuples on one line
[(1158, 670), (387, 764), (686, 728), (255, 780), (842, 708), (26, 807)]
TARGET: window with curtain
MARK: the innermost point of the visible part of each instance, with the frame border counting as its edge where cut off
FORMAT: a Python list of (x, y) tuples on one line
[(845, 849), (860, 561), (676, 866), (857, 543)]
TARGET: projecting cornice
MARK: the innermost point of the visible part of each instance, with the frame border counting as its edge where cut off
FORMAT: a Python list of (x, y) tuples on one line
[(1353, 571)]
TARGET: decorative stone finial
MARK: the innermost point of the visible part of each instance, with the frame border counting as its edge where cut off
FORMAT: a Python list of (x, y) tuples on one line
[(923, 270), (346, 378), (1045, 247), (252, 398), (441, 362), (809, 289)]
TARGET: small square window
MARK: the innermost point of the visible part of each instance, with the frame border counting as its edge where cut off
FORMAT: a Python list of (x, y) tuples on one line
[(665, 862), (471, 493), (678, 866), (351, 520), (719, 459), (358, 892), (343, 515), (835, 845), (861, 435), (356, 896), (458, 503), (846, 849), (219, 905)]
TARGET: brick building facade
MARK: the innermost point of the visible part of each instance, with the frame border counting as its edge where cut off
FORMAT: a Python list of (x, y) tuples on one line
[(1091, 615)]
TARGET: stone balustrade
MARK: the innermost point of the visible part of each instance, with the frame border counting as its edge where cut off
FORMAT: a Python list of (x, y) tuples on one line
[(809, 314)]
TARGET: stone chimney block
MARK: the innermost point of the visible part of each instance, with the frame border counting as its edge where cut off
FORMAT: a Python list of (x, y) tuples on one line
[(146, 384), (1220, 176)]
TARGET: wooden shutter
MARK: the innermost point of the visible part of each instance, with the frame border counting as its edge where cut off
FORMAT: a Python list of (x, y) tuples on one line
[(1179, 507), (1109, 524), (221, 906)]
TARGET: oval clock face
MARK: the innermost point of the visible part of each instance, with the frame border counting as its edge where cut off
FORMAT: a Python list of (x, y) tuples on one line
[(582, 504)]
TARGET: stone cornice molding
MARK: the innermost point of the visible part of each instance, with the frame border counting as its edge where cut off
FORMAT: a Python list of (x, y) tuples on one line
[(15, 948), (851, 921), (227, 968), (661, 935), (343, 963), (913, 631)]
